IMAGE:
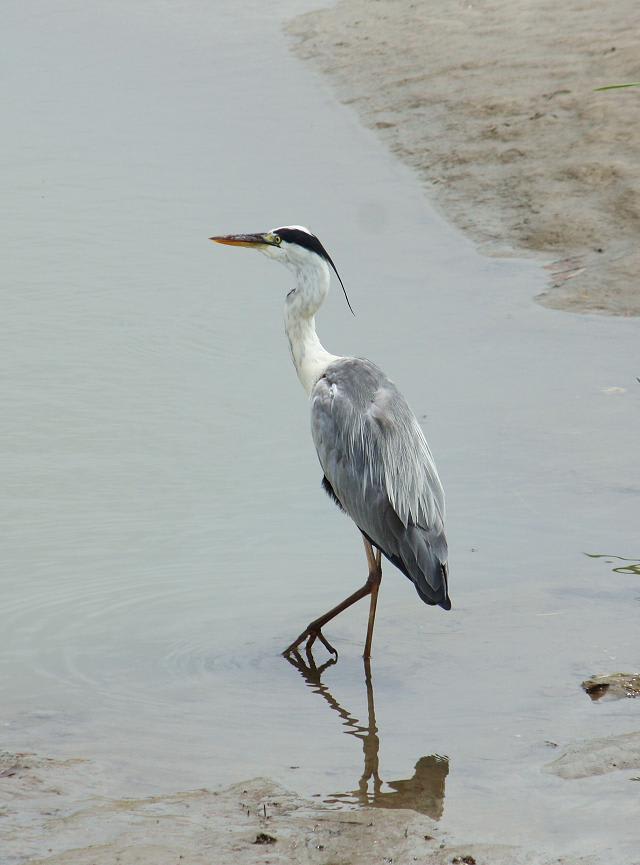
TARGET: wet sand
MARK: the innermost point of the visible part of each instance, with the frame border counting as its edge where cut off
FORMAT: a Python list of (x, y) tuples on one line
[(255, 821), (493, 104)]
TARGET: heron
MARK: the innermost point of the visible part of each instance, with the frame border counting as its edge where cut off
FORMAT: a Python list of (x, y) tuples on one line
[(377, 465)]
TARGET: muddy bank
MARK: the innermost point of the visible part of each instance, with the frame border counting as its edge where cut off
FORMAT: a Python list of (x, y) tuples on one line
[(494, 104), (52, 812), (598, 756)]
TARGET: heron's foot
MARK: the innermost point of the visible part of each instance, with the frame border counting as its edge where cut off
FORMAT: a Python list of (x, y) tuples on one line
[(309, 636)]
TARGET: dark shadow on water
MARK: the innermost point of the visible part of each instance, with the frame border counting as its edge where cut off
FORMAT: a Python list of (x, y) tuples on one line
[(423, 792)]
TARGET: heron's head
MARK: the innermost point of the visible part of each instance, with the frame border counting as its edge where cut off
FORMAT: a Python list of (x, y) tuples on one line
[(292, 245)]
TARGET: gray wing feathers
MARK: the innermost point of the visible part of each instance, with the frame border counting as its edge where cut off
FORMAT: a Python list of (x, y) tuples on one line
[(376, 458), (407, 468)]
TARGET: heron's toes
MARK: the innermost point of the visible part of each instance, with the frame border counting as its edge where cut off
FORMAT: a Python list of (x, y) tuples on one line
[(293, 648), (327, 644), (310, 635)]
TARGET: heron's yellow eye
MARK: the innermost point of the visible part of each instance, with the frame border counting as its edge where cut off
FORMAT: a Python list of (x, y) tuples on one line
[(276, 239)]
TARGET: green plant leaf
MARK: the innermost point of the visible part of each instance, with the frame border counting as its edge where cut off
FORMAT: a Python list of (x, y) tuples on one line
[(617, 86)]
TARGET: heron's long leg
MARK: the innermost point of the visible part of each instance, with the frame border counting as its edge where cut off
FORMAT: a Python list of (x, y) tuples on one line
[(375, 576), (313, 631)]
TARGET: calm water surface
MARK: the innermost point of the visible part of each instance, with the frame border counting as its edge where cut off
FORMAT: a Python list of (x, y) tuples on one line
[(164, 531)]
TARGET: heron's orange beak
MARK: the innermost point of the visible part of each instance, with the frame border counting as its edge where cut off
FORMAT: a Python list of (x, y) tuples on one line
[(250, 240)]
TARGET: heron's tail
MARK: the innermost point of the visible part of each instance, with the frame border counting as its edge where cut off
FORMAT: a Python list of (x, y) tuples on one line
[(423, 558), (445, 600)]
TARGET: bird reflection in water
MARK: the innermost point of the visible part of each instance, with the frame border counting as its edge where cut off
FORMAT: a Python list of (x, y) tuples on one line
[(423, 792)]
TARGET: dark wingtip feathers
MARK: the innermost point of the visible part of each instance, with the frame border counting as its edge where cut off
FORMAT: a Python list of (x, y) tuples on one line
[(446, 603), (326, 486)]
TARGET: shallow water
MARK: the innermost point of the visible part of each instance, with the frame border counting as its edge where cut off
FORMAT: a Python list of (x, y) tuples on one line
[(165, 534)]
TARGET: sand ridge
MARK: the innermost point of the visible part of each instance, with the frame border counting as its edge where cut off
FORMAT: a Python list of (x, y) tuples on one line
[(493, 103)]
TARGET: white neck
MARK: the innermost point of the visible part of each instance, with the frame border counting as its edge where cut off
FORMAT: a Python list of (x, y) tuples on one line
[(309, 356)]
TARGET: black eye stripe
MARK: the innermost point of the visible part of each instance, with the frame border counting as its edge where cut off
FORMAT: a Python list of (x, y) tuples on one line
[(307, 241)]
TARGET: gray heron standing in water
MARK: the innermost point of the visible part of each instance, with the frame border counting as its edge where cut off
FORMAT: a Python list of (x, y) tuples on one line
[(376, 461)]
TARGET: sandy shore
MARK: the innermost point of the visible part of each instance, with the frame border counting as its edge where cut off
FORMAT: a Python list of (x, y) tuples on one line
[(47, 818), (494, 104)]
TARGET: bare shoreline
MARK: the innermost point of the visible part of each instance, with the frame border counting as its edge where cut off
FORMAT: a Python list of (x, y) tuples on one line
[(57, 812), (493, 104)]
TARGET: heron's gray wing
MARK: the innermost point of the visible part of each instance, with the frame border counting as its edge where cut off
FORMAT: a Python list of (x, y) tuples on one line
[(377, 461)]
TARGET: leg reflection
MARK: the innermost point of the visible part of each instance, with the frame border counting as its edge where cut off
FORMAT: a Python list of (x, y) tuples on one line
[(423, 792)]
